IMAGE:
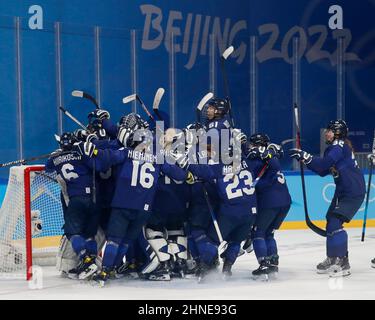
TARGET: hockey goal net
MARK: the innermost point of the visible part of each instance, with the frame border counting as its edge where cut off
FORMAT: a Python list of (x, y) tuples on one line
[(31, 221)]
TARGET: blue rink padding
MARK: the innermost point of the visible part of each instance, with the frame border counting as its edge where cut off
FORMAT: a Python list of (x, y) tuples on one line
[(319, 194)]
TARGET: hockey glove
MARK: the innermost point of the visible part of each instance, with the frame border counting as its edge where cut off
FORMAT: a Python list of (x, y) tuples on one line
[(239, 136), (81, 134), (260, 153), (181, 159), (85, 148), (276, 149), (300, 155), (99, 114), (125, 136), (91, 137), (196, 126)]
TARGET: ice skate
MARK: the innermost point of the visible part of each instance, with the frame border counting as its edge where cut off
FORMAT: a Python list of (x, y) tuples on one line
[(323, 267), (227, 270), (340, 267), (203, 271), (126, 270), (179, 269), (162, 273), (191, 269), (87, 267), (101, 278), (273, 266), (263, 272), (84, 270)]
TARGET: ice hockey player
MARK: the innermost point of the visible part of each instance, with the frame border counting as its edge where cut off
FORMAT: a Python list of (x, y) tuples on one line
[(273, 201), (236, 213), (371, 158), (165, 230), (339, 161), (136, 180), (199, 221), (216, 114), (74, 165)]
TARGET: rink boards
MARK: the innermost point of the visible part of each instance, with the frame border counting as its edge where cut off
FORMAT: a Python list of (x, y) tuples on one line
[(319, 192)]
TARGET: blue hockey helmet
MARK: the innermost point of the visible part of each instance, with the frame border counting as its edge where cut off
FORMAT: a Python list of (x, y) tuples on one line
[(221, 106), (260, 139), (66, 141), (339, 128)]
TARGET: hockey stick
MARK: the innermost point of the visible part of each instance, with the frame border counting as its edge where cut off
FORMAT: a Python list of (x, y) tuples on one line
[(69, 115), (155, 106), (309, 223), (24, 161), (223, 244), (224, 58), (368, 192), (133, 97), (202, 103), (84, 95), (74, 119)]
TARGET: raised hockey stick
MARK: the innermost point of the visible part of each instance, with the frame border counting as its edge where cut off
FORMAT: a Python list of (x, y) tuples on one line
[(368, 192), (309, 223), (225, 55), (133, 97), (85, 95), (223, 244), (201, 104), (70, 116), (155, 106)]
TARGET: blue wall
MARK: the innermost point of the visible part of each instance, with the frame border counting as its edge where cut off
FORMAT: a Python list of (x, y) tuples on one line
[(273, 22)]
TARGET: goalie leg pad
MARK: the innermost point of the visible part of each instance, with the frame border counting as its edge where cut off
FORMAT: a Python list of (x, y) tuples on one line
[(158, 243), (177, 243), (66, 257)]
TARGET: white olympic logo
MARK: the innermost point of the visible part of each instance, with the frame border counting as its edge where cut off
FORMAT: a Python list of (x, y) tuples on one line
[(332, 185)]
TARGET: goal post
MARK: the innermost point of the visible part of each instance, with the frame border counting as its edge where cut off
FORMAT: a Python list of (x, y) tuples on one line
[(31, 221)]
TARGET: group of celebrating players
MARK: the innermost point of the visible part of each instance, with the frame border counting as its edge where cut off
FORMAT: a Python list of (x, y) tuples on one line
[(159, 203)]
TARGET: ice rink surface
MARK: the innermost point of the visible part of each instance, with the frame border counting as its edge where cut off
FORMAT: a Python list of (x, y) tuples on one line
[(300, 251)]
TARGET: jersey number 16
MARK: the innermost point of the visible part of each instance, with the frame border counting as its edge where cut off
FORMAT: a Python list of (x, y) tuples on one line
[(142, 174)]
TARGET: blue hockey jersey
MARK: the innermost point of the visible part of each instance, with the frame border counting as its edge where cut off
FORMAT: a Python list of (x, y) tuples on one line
[(237, 196), (171, 196), (271, 190), (137, 177), (75, 170), (339, 161)]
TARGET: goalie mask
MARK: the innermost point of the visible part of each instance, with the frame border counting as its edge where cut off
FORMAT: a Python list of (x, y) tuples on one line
[(133, 121)]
